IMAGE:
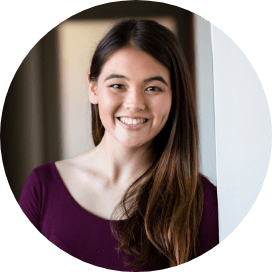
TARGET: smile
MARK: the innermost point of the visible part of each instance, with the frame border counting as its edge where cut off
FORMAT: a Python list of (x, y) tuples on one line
[(132, 121)]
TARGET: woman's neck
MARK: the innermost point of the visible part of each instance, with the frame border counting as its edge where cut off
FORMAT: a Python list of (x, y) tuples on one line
[(122, 164)]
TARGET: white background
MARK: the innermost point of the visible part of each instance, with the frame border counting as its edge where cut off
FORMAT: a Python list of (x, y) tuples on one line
[(242, 129)]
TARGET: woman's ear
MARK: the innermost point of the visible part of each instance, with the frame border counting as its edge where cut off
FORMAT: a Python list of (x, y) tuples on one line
[(92, 90)]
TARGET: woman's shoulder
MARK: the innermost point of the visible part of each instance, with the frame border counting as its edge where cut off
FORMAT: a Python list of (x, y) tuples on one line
[(51, 172), (208, 230), (43, 171), (39, 175), (40, 181), (208, 186), (210, 203)]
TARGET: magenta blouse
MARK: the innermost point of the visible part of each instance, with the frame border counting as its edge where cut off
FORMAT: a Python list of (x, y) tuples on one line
[(53, 211)]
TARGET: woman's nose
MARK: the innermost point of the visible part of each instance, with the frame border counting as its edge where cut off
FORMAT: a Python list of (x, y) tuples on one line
[(135, 101)]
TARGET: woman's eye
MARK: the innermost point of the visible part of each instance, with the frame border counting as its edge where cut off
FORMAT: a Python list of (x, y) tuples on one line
[(154, 89), (118, 86)]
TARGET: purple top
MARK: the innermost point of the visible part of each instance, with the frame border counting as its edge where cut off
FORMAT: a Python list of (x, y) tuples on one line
[(53, 211)]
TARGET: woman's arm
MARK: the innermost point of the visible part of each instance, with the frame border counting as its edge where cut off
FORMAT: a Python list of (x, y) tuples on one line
[(30, 199)]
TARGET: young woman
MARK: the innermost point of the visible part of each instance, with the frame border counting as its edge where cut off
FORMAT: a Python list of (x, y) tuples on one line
[(137, 200)]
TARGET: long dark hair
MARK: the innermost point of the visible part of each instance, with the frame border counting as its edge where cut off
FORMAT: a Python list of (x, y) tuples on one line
[(164, 206)]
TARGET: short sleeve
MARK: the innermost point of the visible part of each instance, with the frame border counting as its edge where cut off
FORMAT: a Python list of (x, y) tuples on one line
[(30, 199), (208, 236)]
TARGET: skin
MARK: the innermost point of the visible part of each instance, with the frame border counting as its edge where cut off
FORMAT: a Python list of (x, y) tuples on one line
[(131, 84)]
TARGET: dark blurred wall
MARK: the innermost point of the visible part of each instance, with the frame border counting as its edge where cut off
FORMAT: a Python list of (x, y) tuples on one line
[(30, 126)]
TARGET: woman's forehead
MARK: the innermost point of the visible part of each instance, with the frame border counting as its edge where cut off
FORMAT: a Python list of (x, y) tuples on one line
[(132, 63)]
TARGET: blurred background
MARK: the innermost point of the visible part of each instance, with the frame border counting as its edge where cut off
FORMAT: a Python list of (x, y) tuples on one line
[(46, 115)]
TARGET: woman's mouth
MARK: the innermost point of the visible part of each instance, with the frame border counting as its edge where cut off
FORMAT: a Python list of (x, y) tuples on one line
[(132, 121)]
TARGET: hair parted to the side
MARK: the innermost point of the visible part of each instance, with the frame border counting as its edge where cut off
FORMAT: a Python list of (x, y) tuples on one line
[(163, 206)]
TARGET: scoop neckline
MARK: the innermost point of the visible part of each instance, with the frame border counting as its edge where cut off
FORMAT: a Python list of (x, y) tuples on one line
[(57, 175)]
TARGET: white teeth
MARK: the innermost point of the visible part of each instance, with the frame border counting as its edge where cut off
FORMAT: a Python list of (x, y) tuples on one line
[(131, 121)]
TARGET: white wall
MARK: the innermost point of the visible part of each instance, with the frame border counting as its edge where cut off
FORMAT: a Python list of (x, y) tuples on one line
[(205, 99), (242, 129)]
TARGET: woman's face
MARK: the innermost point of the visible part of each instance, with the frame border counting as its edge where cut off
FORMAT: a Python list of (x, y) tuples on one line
[(134, 96)]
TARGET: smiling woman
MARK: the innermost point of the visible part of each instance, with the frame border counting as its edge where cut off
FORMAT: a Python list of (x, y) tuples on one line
[(139, 189), (134, 97)]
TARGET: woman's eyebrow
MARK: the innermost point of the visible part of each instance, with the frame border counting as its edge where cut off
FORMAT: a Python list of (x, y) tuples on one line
[(116, 76), (159, 78)]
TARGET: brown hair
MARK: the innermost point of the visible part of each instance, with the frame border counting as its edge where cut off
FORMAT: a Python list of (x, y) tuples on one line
[(164, 206)]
